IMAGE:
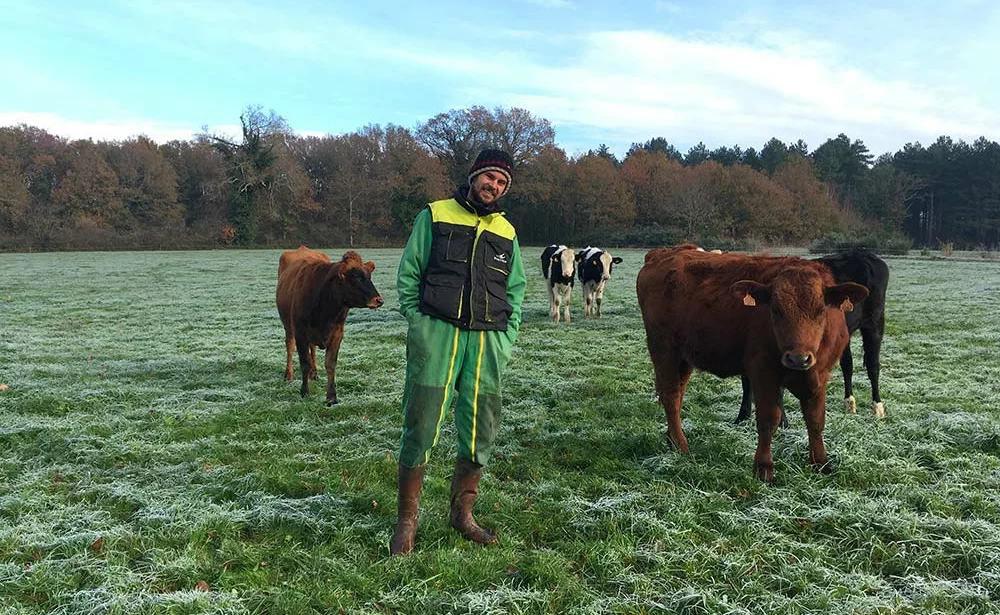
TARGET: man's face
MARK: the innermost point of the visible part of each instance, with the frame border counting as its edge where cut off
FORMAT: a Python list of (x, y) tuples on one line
[(487, 187)]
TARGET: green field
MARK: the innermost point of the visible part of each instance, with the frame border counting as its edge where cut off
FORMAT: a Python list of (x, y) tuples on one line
[(152, 459)]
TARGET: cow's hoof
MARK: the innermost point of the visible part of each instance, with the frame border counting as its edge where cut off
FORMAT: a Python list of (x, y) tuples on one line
[(304, 392), (851, 405), (679, 446), (765, 472), (331, 402), (879, 410), (829, 466)]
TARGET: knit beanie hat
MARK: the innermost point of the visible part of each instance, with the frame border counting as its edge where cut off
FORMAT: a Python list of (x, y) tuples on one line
[(493, 160)]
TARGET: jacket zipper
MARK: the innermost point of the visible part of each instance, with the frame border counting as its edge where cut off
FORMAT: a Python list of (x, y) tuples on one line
[(472, 275)]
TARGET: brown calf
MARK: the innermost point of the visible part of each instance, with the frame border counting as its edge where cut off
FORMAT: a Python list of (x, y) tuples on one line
[(779, 320), (314, 296)]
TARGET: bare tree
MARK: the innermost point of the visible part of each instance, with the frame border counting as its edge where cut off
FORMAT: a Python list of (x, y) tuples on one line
[(457, 136)]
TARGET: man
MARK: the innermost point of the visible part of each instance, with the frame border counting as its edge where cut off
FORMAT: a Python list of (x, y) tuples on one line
[(460, 283)]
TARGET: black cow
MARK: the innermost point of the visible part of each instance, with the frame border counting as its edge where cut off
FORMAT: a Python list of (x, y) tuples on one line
[(559, 268), (594, 268), (862, 267)]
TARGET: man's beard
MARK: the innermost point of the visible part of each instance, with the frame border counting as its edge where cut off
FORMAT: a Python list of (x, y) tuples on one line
[(483, 208), (477, 195)]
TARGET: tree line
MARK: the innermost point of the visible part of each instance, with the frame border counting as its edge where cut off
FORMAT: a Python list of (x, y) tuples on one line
[(270, 187)]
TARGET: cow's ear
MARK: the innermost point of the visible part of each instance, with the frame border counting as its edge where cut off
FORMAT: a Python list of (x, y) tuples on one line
[(370, 266), (616, 260), (751, 293), (845, 296)]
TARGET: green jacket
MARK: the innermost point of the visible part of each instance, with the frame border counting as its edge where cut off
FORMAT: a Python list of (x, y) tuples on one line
[(463, 268)]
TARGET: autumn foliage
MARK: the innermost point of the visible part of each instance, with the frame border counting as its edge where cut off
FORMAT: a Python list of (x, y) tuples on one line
[(272, 187)]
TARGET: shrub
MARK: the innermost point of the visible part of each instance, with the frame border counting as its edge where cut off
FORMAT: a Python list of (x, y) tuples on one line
[(655, 236), (876, 240)]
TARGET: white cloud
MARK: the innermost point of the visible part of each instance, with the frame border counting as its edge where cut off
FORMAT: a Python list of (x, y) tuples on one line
[(124, 129), (742, 85), (649, 84), (110, 129)]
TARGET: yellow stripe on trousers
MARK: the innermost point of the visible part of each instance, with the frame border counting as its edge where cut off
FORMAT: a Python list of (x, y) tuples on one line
[(475, 398), (447, 389)]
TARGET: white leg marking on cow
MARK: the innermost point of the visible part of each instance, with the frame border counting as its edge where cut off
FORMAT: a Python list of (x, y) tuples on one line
[(851, 405), (559, 296), (553, 303), (879, 410)]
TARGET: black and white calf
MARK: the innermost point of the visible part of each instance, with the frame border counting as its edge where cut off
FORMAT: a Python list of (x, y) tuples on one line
[(558, 267), (594, 267)]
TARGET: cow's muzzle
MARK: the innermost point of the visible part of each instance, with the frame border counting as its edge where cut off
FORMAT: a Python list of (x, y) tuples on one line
[(375, 302), (801, 362)]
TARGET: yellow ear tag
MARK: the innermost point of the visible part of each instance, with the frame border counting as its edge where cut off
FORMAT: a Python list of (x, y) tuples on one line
[(847, 306), (748, 300)]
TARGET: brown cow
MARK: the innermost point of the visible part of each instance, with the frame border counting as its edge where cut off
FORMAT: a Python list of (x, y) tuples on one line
[(314, 296), (779, 320)]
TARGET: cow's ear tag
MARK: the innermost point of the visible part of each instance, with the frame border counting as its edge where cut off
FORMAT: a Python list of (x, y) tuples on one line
[(847, 306), (749, 300)]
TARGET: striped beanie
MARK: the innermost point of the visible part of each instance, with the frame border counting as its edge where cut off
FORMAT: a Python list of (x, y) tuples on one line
[(493, 160)]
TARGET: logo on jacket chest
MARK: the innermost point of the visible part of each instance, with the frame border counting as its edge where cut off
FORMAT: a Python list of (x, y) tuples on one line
[(500, 258)]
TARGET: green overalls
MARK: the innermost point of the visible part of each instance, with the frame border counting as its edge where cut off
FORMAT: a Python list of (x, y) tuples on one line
[(461, 284)]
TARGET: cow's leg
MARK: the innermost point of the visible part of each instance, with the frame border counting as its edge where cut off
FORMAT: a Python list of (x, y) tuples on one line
[(746, 405), (768, 412), (814, 412), (671, 381), (674, 429), (313, 372), (569, 291), (872, 341), (847, 367), (553, 303), (332, 350), (305, 363), (289, 349), (588, 301), (599, 299)]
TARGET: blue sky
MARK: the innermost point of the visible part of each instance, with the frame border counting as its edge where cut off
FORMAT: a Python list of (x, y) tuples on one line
[(723, 72)]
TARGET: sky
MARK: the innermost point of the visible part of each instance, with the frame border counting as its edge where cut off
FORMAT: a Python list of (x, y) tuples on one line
[(719, 72)]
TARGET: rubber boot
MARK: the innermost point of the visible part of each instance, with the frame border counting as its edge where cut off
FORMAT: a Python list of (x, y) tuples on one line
[(411, 481), (464, 489)]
